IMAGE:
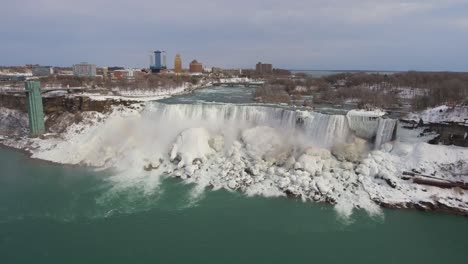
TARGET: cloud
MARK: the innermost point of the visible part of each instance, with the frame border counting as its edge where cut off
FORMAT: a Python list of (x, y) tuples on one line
[(297, 34), (461, 23)]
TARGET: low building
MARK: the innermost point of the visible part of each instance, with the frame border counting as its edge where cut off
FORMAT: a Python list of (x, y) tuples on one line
[(12, 78), (128, 74), (65, 73), (42, 70), (84, 70), (216, 70), (196, 67), (233, 72), (264, 68), (139, 74)]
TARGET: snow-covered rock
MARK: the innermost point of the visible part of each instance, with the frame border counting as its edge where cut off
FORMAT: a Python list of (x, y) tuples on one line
[(441, 114)]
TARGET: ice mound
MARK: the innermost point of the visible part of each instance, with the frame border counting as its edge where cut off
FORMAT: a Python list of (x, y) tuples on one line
[(265, 143), (191, 144), (351, 152)]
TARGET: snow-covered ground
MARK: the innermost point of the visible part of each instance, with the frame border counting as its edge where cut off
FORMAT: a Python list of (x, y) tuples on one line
[(240, 80), (140, 95), (8, 73), (441, 114), (257, 151), (409, 93), (366, 113)]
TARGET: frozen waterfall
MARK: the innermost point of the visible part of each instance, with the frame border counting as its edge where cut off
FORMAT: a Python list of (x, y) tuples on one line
[(320, 129), (256, 149), (154, 131)]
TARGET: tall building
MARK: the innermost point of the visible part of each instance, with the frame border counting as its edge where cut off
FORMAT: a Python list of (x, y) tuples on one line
[(84, 70), (178, 64), (42, 70), (196, 67), (264, 68), (105, 73), (159, 62), (157, 59)]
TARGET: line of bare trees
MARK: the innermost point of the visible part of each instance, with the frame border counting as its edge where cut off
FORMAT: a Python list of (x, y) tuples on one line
[(272, 93), (148, 82), (382, 89)]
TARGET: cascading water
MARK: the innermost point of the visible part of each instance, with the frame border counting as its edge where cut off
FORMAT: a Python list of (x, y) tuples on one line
[(154, 131), (254, 149), (385, 132), (326, 130), (321, 129)]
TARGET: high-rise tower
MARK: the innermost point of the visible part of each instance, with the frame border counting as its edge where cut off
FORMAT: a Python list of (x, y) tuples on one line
[(157, 60), (178, 64)]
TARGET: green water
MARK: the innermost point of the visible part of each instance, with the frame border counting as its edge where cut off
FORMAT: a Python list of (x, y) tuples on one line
[(61, 214), (244, 96), (215, 94)]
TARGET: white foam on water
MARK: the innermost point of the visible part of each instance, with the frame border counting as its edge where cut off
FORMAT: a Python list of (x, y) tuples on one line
[(252, 149)]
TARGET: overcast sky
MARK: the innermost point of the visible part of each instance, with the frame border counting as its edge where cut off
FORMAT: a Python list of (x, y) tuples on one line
[(294, 34)]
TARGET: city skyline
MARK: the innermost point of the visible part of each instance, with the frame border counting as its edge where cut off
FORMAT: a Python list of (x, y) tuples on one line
[(338, 35)]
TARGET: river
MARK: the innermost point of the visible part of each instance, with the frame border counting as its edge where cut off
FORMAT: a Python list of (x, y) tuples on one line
[(61, 214), (67, 214)]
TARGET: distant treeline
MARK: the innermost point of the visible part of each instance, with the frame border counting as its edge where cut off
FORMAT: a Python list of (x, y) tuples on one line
[(433, 88), (419, 89)]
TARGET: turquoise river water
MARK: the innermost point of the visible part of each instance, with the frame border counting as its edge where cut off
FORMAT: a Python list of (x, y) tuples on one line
[(61, 214), (64, 214)]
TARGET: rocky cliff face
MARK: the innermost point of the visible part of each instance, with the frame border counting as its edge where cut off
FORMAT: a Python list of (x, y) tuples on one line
[(60, 104), (60, 112), (14, 102)]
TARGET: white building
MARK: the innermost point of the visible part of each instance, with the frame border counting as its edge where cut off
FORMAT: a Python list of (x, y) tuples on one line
[(42, 70), (84, 70)]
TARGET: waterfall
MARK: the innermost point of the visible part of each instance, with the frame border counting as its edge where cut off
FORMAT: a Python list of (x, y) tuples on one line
[(365, 126), (327, 130), (256, 149), (153, 133), (321, 129), (385, 131), (219, 115)]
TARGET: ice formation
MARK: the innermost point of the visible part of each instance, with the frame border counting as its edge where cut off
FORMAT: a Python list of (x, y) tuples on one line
[(257, 150)]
